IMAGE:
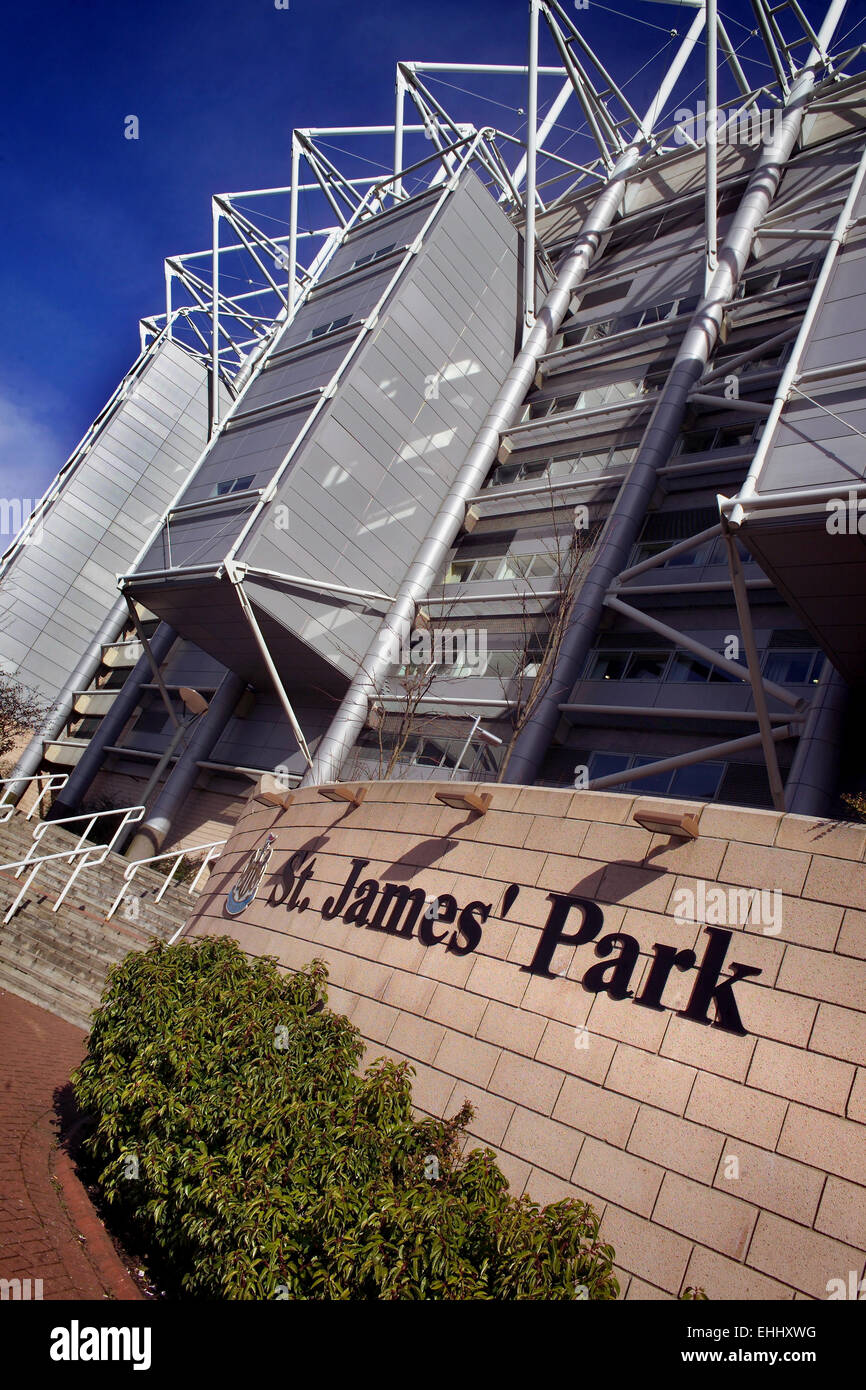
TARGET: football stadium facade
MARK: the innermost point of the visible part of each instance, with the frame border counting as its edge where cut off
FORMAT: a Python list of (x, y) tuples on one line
[(486, 587), (583, 515)]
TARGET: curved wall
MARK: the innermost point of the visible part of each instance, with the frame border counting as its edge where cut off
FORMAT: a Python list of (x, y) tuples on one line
[(630, 1026)]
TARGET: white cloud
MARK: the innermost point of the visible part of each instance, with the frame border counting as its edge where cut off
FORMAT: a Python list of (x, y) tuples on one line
[(30, 453)]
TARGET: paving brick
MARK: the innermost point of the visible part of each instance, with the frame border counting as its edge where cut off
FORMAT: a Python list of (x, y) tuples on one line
[(769, 1180), (805, 1259), (627, 1022), (645, 1249), (510, 865), (529, 1083), (647, 1077), (806, 923), (373, 1020), (455, 1008), (638, 1290), (614, 808), (543, 801), (431, 1090), (836, 881), (503, 828), (562, 873), (543, 1142), (467, 1058), (708, 1048), (444, 965), (417, 1037), (738, 823), (497, 979), (410, 992), (516, 1171), (813, 1134), (624, 1178), (857, 1099), (842, 1212), (560, 998), (492, 1113), (622, 844), (771, 1013), (758, 866), (716, 1219), (48, 1227), (840, 839), (726, 1280), (790, 1071), (635, 887), (852, 935), (680, 1145), (595, 1111), (546, 1188), (516, 1029), (575, 1050), (702, 857), (558, 834), (840, 1033), (819, 975)]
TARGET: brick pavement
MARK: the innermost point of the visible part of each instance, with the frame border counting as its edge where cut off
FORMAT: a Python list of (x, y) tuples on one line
[(48, 1227)]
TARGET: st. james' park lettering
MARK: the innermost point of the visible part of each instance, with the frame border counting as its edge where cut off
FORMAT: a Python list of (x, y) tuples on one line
[(403, 911)]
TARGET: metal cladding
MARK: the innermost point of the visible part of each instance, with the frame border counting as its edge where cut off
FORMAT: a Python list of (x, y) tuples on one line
[(343, 444), (596, 421)]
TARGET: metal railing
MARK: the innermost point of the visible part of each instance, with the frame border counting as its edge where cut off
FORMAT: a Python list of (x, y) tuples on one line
[(177, 855), (86, 855), (53, 783)]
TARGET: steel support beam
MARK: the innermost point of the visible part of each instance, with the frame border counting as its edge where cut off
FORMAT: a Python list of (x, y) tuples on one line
[(699, 755), (372, 671), (635, 497)]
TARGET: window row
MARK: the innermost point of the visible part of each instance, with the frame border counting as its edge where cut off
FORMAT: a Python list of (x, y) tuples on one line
[(699, 782), (784, 667), (495, 567), (585, 462)]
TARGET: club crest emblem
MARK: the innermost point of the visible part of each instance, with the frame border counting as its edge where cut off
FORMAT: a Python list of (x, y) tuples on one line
[(248, 881)]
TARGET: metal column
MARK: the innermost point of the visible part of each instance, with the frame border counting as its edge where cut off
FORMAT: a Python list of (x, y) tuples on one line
[(633, 502), (372, 671), (112, 725), (161, 817)]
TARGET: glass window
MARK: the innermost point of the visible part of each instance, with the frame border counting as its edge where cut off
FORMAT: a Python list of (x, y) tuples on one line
[(686, 667), (608, 666), (459, 571), (606, 764), (697, 441), (699, 781), (656, 784), (543, 566), (789, 668), (233, 485), (646, 666)]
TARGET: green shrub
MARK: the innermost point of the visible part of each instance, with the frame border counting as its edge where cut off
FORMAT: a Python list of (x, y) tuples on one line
[(268, 1166)]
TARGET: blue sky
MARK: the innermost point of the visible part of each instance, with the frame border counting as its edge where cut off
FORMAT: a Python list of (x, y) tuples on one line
[(217, 86)]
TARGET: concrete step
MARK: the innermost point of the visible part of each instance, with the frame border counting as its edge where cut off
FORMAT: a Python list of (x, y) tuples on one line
[(59, 960)]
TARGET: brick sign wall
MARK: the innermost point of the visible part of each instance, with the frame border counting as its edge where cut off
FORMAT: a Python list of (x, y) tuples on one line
[(629, 1026)]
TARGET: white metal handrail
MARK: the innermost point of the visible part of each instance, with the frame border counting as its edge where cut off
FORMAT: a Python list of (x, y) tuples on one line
[(86, 855), (53, 782), (177, 856)]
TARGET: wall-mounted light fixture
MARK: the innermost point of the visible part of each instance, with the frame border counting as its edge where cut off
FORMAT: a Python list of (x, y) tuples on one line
[(353, 795), (681, 825), (272, 792), (477, 802)]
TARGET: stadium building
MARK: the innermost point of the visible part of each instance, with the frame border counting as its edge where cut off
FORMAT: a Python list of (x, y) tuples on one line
[(566, 511), (485, 574)]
